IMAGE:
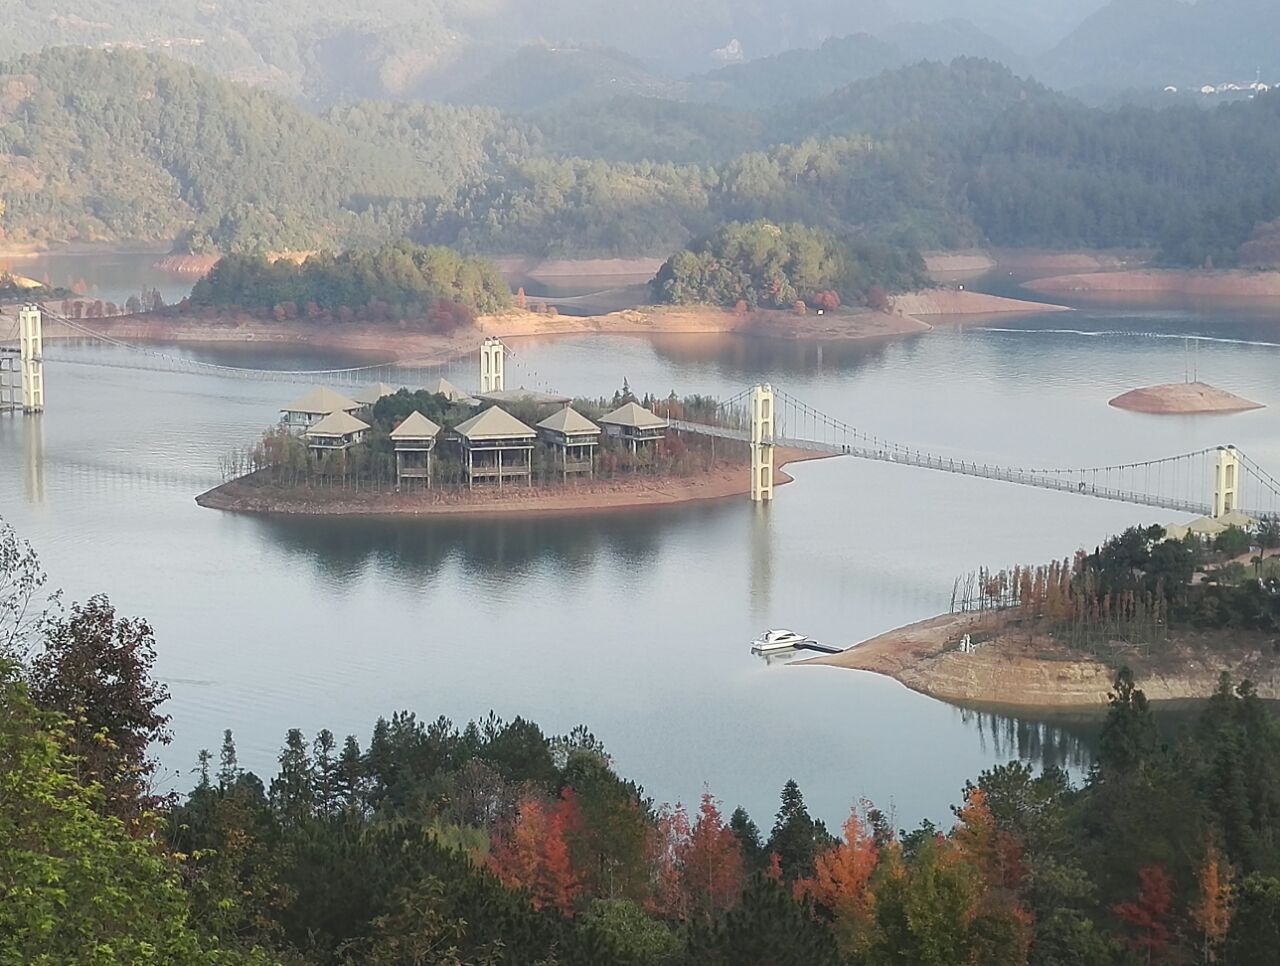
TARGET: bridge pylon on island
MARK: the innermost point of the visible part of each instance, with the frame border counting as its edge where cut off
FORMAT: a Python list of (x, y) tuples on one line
[(23, 387), (492, 369), (1226, 481), (762, 436)]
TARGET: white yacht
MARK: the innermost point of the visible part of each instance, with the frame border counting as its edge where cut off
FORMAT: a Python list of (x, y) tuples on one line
[(778, 640)]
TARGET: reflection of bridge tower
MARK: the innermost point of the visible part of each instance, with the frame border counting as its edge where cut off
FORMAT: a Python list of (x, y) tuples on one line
[(31, 350), (762, 413), (492, 377), (1226, 481)]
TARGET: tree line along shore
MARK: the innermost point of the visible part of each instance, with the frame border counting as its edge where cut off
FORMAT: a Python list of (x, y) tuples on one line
[(494, 842)]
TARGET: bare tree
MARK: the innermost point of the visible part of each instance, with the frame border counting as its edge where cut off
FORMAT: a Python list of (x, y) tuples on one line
[(21, 585)]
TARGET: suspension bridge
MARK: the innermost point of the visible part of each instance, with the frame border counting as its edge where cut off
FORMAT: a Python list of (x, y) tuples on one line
[(1215, 482)]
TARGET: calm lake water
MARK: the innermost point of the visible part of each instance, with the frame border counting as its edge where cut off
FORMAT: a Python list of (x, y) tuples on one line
[(636, 625)]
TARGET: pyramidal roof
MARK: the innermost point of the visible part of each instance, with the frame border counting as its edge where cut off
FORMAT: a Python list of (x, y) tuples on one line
[(494, 423), (1235, 518), (570, 422), (444, 387), (371, 394), (415, 426), (322, 400), (635, 416), (533, 397), (337, 424), (1205, 526)]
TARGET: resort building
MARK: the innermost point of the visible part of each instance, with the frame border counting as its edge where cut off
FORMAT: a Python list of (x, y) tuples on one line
[(302, 414), (574, 438), (414, 439), (444, 387), (635, 425), (336, 432), (369, 396), (496, 446), (523, 396)]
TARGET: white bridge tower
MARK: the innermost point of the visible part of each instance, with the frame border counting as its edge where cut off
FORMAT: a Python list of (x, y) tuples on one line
[(1226, 481), (762, 413), (31, 351), (492, 356)]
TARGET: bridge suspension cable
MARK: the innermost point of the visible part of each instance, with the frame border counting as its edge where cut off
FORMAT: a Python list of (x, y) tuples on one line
[(169, 362), (1179, 482)]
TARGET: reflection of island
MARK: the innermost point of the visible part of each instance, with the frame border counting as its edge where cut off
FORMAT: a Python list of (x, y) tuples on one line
[(344, 549), (1183, 398), (736, 353)]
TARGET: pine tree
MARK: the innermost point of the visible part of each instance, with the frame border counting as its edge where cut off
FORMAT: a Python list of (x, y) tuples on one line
[(796, 837), (291, 790), (228, 766)]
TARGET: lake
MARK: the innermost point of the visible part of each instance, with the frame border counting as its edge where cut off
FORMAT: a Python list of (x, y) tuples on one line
[(636, 625)]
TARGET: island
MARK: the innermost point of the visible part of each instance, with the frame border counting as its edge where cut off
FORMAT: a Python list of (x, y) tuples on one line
[(1183, 398)]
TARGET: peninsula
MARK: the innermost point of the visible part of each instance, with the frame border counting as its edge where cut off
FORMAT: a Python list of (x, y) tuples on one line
[(1179, 613)]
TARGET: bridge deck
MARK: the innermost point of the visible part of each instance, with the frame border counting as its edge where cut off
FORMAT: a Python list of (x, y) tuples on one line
[(1061, 484)]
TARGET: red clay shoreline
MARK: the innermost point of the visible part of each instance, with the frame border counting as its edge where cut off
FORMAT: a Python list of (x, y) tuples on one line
[(408, 346), (617, 496)]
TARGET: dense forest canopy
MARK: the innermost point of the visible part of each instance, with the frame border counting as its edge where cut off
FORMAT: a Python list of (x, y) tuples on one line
[(408, 280), (119, 145), (774, 266)]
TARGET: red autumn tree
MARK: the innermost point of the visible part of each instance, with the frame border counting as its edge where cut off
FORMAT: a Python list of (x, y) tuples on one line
[(996, 857), (841, 884), (774, 871), (533, 854), (1148, 917), (668, 843), (712, 863)]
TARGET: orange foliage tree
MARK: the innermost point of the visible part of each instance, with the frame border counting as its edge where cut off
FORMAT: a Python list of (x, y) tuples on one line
[(1211, 911), (996, 856), (533, 854), (841, 885), (712, 863)]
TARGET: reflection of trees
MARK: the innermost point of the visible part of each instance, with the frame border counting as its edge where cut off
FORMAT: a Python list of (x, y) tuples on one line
[(1061, 742), (504, 547), (735, 354)]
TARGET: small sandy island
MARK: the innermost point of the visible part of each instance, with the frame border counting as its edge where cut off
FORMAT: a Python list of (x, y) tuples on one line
[(1017, 666), (1156, 282), (637, 492), (1183, 398)]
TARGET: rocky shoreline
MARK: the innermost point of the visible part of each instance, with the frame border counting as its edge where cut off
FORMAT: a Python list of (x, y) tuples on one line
[(1018, 667), (1206, 284)]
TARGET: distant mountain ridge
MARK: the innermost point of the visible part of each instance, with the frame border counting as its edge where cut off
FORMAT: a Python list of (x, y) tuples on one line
[(1155, 43)]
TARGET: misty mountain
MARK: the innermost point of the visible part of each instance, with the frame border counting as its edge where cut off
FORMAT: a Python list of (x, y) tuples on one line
[(1154, 43), (327, 50)]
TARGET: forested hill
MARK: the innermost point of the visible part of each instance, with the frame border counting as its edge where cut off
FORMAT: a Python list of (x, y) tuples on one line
[(120, 145)]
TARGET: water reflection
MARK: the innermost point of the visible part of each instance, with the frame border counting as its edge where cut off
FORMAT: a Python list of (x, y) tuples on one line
[(760, 601), (484, 547), (33, 452), (1066, 743), (736, 353)]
